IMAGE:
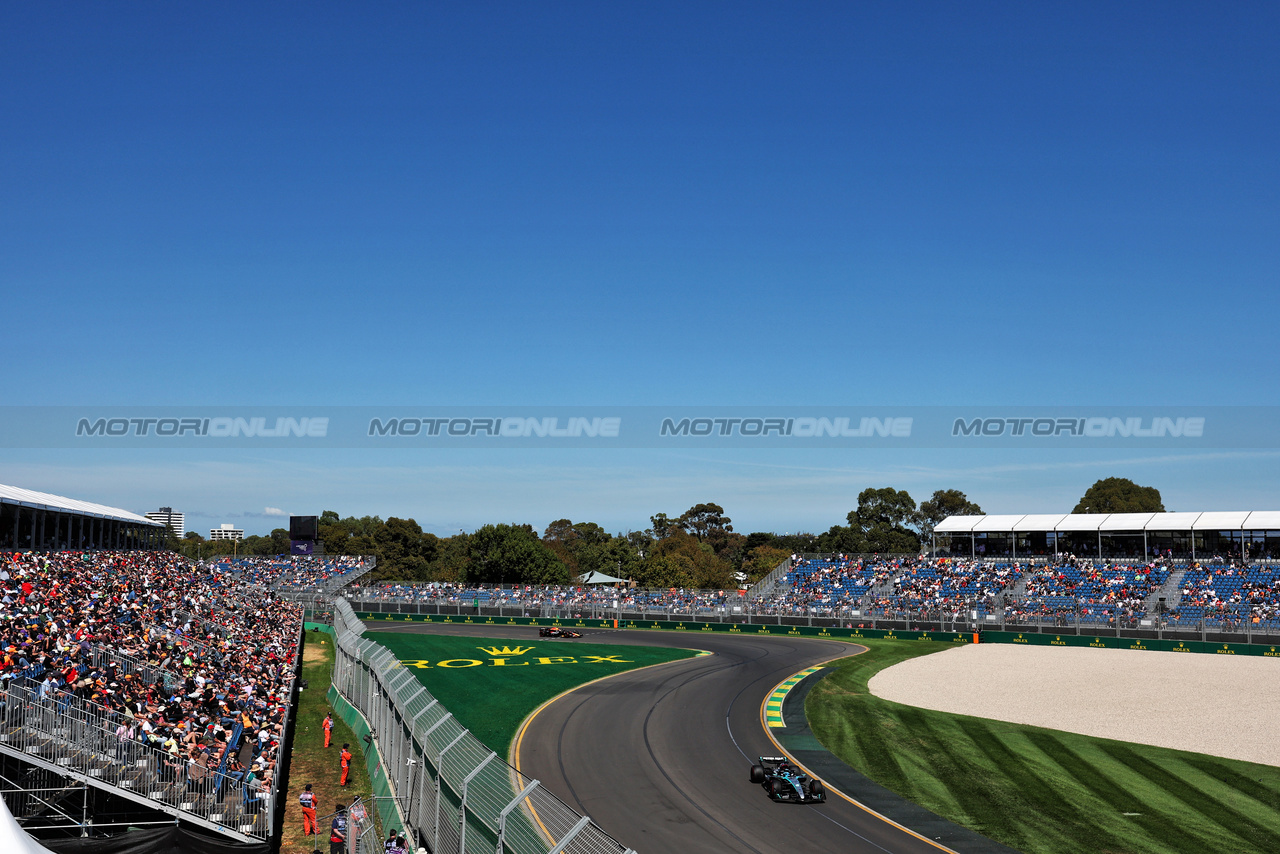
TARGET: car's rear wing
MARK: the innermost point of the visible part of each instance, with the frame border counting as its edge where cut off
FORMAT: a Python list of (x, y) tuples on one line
[(772, 760)]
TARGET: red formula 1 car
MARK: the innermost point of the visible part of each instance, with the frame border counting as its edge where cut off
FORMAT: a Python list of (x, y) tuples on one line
[(557, 632)]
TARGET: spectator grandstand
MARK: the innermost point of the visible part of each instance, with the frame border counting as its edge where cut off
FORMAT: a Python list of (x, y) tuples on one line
[(838, 589), (153, 675), (297, 573)]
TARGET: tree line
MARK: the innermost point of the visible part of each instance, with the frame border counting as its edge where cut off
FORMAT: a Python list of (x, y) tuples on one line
[(698, 548)]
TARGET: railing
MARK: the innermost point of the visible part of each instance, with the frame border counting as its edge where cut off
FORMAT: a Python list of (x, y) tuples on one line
[(454, 794), (872, 612), (76, 738), (771, 580)]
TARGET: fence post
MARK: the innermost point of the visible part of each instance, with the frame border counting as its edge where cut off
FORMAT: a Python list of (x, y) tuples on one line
[(502, 816), (568, 837), (462, 805), (439, 776)]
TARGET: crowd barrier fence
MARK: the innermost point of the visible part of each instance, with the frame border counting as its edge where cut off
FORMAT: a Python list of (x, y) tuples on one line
[(452, 794)]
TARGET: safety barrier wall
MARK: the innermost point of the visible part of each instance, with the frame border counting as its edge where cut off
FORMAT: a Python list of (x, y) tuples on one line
[(1113, 642), (453, 794), (882, 616), (955, 632)]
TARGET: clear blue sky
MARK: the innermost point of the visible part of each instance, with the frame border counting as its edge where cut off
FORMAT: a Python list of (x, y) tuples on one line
[(633, 204)]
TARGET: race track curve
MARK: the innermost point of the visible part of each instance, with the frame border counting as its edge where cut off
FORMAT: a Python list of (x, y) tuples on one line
[(659, 758)]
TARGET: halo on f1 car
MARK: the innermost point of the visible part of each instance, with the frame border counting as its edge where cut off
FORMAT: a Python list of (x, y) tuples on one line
[(785, 783)]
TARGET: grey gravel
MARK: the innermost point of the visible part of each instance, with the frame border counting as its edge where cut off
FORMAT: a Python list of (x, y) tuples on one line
[(1222, 705)]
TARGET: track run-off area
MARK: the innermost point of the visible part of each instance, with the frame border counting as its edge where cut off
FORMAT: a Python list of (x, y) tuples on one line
[(659, 757)]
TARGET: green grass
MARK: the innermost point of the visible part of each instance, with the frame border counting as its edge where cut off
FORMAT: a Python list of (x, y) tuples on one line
[(1037, 790), (310, 762), (492, 699)]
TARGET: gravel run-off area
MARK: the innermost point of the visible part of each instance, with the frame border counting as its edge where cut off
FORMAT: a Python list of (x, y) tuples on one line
[(1222, 705)]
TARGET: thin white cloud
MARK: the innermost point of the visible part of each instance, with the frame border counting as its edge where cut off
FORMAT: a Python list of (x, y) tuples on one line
[(273, 511)]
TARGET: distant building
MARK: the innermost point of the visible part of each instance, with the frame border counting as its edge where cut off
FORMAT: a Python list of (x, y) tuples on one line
[(226, 532), (166, 516)]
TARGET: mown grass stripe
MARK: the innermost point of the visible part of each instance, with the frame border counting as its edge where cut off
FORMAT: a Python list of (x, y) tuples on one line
[(1035, 795), (1229, 777), (1122, 800), (1230, 820)]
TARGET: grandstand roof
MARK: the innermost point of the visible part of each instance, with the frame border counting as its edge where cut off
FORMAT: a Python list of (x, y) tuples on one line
[(1236, 520), (1172, 521), (1081, 522), (1263, 520), (995, 523), (46, 501), (1220, 521), (1039, 522), (957, 524), (1126, 522)]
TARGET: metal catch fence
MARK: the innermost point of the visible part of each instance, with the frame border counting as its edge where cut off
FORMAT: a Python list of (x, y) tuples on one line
[(455, 795)]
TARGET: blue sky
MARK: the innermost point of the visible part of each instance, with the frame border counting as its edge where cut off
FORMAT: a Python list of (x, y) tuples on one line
[(637, 204)]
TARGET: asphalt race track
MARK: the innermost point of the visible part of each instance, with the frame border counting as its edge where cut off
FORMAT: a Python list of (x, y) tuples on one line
[(660, 757)]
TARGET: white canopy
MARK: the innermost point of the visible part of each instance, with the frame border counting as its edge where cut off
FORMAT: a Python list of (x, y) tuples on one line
[(1229, 521), (594, 577), (995, 524), (1172, 521), (1126, 522), (13, 838), (46, 501), (1235, 520), (1039, 522), (1081, 522), (1263, 520), (957, 524)]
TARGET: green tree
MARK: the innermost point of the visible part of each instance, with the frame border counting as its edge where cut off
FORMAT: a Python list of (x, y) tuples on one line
[(705, 521), (762, 560), (882, 518), (663, 525), (512, 554), (1119, 495), (280, 544), (838, 539), (403, 547), (944, 503), (666, 571)]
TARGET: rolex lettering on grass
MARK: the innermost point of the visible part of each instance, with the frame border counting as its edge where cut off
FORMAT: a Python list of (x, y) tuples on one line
[(506, 656)]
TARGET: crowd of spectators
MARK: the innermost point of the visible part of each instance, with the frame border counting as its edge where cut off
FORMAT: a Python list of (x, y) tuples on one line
[(1230, 593), (298, 573), (1066, 591), (1079, 590), (945, 587), (181, 656)]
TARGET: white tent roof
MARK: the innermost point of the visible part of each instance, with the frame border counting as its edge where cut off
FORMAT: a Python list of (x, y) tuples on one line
[(46, 501), (594, 577), (1256, 520), (1040, 522), (1126, 522), (1081, 522), (994, 524), (957, 524), (13, 838), (1229, 521), (1263, 520), (1172, 521)]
